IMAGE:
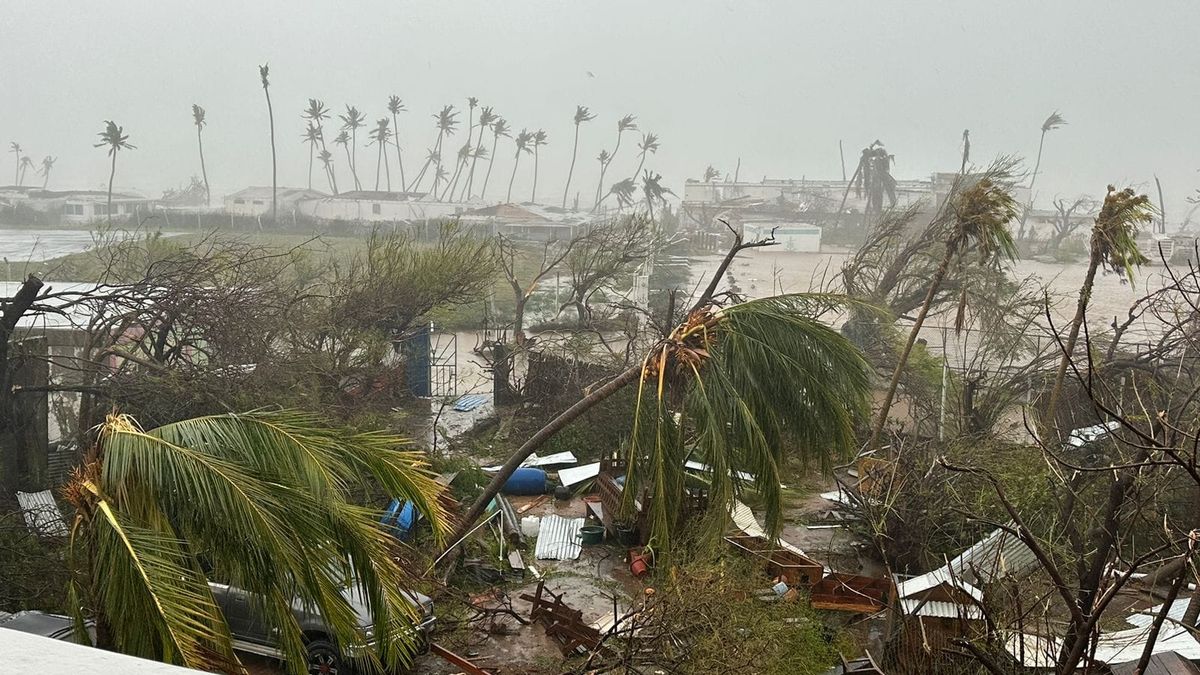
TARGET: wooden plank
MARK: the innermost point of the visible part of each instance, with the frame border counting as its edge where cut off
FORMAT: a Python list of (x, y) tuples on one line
[(455, 659)]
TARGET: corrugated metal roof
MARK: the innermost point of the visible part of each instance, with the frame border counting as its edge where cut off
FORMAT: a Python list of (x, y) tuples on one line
[(941, 610), (42, 514), (558, 538), (998, 555), (1111, 648), (910, 587), (1146, 616)]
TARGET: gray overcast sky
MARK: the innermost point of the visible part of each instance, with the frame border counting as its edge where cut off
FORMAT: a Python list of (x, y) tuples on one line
[(775, 83)]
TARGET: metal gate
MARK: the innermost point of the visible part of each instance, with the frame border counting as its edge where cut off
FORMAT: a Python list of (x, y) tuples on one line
[(430, 365)]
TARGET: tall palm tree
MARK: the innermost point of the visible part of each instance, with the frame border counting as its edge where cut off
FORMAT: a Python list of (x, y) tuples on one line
[(316, 113), (312, 136), (47, 166), (446, 121), (487, 117), (26, 164), (648, 145), (114, 138), (464, 155), (266, 500), (381, 135), (343, 139), (626, 123), (523, 140), (326, 158), (352, 121), (582, 114), (1052, 122), (539, 139), (603, 158), (396, 106), (198, 120), (975, 217), (264, 72), (15, 148), (1113, 247), (499, 128)]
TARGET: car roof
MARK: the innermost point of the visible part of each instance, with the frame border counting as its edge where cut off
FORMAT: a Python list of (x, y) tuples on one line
[(39, 623)]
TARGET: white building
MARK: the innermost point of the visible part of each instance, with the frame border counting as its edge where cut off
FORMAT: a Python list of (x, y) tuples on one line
[(256, 201), (792, 236), (371, 206), (79, 206)]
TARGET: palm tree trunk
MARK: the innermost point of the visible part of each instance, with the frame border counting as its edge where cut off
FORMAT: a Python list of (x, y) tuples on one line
[(378, 161), (329, 166), (203, 170), (1032, 179), (311, 149), (111, 174), (491, 161), (571, 171), (350, 161), (46, 178), (516, 162), (399, 155), (387, 168), (454, 180), (536, 441), (934, 285), (354, 158), (1085, 293), (437, 170), (474, 161), (533, 193), (274, 166), (641, 162)]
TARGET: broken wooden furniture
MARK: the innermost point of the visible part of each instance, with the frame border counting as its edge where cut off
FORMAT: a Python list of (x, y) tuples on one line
[(794, 568), (610, 485), (562, 623)]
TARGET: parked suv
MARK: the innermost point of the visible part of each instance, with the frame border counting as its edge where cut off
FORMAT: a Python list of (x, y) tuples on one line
[(252, 635)]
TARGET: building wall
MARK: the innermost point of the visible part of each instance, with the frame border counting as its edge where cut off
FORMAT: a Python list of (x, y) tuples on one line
[(793, 237), (378, 211), (249, 205)]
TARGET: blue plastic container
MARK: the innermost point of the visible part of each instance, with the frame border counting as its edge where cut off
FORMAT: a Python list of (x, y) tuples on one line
[(526, 481)]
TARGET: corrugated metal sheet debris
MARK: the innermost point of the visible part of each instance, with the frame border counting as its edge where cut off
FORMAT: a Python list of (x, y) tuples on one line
[(558, 538), (941, 610), (470, 402), (42, 514), (998, 555)]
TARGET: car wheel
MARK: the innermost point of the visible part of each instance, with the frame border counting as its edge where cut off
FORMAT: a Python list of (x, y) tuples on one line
[(323, 659)]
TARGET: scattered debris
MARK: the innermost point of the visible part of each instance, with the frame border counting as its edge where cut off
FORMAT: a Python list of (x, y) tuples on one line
[(559, 538), (42, 514), (556, 459), (578, 474), (852, 593), (533, 504), (452, 658), (562, 623), (469, 402)]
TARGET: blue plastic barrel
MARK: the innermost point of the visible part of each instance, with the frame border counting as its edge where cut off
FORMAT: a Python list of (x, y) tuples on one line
[(526, 481)]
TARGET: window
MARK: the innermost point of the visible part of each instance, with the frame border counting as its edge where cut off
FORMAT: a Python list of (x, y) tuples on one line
[(258, 202), (100, 209), (375, 208), (239, 200)]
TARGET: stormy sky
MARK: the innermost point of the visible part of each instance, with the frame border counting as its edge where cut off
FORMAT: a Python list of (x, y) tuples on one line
[(774, 83)]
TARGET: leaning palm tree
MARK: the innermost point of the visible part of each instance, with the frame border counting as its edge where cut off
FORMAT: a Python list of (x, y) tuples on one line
[(975, 218), (265, 500), (114, 138), (352, 121), (343, 139), (624, 190), (1052, 122), (499, 128), (523, 140), (26, 164), (326, 158), (396, 106), (653, 191), (740, 388), (431, 159), (582, 114), (603, 158), (47, 166), (539, 139), (626, 123), (446, 121), (381, 135), (15, 148), (464, 156), (648, 145), (487, 117), (312, 136), (316, 113), (263, 72), (198, 120), (1113, 247)]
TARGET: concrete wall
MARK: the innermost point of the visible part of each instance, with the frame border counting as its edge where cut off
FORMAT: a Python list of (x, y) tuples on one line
[(383, 211)]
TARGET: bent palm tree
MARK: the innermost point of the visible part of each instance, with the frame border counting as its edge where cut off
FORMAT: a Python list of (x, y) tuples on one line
[(1113, 247), (976, 216), (316, 113), (47, 166), (343, 139), (312, 136), (464, 155), (114, 138), (486, 119), (265, 500), (499, 128), (522, 140), (352, 121), (198, 120), (582, 114), (446, 120), (396, 106), (15, 148), (26, 164), (538, 140), (326, 158), (623, 190), (264, 72), (648, 144), (1052, 122), (626, 123), (653, 191)]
